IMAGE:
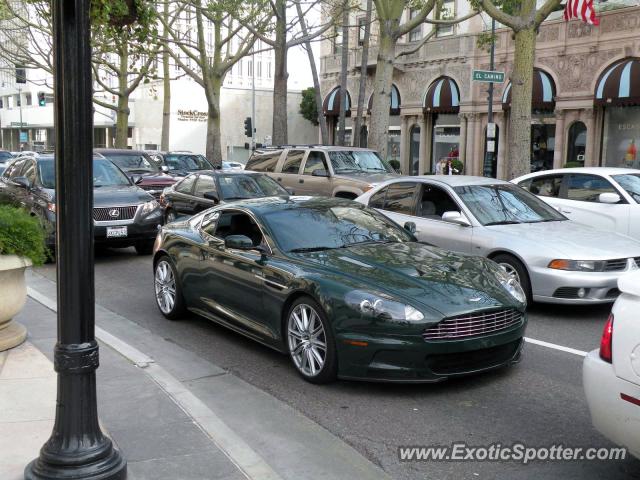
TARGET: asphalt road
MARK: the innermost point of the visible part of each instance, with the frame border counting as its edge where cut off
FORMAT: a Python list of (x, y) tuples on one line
[(539, 402)]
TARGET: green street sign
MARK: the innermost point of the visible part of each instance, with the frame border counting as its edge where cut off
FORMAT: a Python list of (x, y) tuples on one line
[(488, 76)]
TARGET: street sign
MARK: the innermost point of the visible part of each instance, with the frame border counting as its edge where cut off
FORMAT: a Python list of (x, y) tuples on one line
[(491, 146), (24, 138), (491, 130), (488, 76)]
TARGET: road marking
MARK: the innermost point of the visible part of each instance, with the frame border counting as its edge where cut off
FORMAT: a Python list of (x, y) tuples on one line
[(248, 461), (581, 353)]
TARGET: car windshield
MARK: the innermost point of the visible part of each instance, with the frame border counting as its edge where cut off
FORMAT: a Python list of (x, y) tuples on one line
[(358, 161), (631, 183), (105, 174), (187, 162), (323, 228), (504, 204), (132, 162), (234, 187)]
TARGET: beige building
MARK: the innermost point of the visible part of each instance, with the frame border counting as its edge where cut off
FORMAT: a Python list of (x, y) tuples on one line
[(586, 93)]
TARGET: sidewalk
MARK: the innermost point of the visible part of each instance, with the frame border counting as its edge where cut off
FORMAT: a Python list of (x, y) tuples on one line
[(172, 414)]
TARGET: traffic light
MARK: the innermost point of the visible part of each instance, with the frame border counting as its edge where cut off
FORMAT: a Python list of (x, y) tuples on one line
[(248, 130), (41, 100)]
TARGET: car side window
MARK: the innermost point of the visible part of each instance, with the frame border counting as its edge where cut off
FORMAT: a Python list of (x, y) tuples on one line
[(544, 186), (587, 188), (434, 202), (209, 223), (29, 171), (186, 185), (401, 198), (315, 161), (238, 223), (293, 161), (377, 199), (264, 162), (205, 184)]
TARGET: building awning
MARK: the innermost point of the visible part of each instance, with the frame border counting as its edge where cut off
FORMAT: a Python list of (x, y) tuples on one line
[(394, 108), (443, 96), (331, 104), (543, 97), (619, 85)]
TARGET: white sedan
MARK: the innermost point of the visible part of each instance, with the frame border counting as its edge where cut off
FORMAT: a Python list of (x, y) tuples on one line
[(611, 374), (601, 197)]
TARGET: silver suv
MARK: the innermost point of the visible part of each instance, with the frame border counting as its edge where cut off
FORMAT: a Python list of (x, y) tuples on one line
[(331, 171)]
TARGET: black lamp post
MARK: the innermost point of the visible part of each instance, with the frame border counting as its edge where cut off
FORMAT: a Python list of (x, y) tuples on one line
[(77, 447), (489, 169)]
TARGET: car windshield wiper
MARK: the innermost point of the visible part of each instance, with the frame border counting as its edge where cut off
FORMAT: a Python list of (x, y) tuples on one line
[(310, 249), (365, 242), (502, 222)]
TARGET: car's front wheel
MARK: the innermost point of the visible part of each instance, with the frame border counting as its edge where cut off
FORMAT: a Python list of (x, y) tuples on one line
[(167, 289), (310, 341)]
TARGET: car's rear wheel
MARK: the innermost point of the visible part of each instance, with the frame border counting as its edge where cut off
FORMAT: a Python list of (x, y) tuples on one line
[(516, 270), (310, 341), (167, 289), (144, 247)]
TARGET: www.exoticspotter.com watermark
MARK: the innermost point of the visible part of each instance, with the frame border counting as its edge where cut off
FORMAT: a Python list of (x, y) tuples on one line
[(516, 452)]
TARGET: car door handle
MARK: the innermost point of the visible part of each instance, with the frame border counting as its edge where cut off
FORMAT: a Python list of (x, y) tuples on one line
[(301, 181)]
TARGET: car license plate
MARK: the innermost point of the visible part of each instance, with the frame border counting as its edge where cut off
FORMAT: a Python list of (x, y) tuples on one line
[(113, 232)]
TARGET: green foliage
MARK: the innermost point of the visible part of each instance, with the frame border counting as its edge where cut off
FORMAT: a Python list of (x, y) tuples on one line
[(573, 164), (21, 234), (484, 41), (395, 164), (308, 106)]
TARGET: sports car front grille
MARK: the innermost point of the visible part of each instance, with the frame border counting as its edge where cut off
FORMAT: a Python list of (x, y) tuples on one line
[(111, 214), (472, 325)]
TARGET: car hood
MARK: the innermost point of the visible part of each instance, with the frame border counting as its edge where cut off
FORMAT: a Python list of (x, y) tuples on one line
[(445, 282), (367, 177), (153, 177), (572, 240), (114, 196)]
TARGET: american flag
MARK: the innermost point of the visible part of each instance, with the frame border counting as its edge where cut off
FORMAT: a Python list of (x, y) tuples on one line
[(582, 10)]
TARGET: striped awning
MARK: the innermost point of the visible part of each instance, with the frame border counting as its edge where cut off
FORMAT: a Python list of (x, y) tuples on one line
[(619, 85), (394, 108), (331, 104), (544, 93), (443, 96)]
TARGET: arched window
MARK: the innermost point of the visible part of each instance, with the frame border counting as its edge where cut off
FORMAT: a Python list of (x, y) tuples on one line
[(577, 143)]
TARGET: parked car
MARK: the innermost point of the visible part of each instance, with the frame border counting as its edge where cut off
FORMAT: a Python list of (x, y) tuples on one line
[(5, 156), (604, 198), (203, 190), (341, 289), (554, 259), (140, 168), (124, 215), (323, 170), (611, 374), (180, 164), (232, 166)]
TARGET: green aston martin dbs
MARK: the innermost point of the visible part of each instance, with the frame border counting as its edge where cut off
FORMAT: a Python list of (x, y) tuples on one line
[(341, 289)]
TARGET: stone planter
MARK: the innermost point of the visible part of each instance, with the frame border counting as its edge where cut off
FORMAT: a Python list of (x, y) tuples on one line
[(13, 295)]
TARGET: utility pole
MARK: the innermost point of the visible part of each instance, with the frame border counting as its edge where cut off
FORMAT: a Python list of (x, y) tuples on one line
[(20, 129), (253, 100), (489, 170)]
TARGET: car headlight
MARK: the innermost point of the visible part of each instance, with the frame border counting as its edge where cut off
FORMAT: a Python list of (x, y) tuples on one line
[(511, 285), (578, 265), (380, 306), (149, 207)]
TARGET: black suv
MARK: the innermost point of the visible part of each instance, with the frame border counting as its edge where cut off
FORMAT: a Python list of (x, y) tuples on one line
[(123, 214)]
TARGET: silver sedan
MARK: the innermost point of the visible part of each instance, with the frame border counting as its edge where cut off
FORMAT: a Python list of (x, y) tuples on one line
[(554, 259)]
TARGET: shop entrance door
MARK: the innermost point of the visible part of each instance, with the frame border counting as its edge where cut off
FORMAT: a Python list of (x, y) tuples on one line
[(543, 139)]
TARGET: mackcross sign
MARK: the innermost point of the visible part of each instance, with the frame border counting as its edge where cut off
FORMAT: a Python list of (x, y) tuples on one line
[(488, 76)]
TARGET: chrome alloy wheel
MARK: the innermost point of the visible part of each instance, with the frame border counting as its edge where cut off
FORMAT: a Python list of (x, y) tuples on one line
[(165, 286), (510, 271), (307, 340)]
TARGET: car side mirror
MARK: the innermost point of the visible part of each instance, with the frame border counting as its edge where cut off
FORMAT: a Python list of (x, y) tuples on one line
[(410, 227), (22, 182), (609, 197), (136, 179), (211, 196), (164, 168), (456, 217), (320, 172), (238, 242)]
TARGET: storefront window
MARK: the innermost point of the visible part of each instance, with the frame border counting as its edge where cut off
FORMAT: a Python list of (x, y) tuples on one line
[(621, 137), (393, 146), (414, 153), (543, 139), (577, 143), (446, 141)]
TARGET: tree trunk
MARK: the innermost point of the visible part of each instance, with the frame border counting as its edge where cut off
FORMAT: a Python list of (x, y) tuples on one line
[(122, 121), (344, 66), (379, 128), (280, 76), (166, 82), (324, 132), (363, 73), (214, 144), (520, 115)]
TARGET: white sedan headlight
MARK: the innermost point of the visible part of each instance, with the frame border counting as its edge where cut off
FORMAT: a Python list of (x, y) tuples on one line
[(380, 306), (149, 207)]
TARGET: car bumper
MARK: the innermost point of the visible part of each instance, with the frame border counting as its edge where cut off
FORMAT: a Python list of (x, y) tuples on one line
[(411, 359), (561, 286), (138, 230), (615, 418)]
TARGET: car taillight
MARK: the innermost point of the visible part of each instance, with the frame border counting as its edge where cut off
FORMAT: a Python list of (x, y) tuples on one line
[(607, 340)]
